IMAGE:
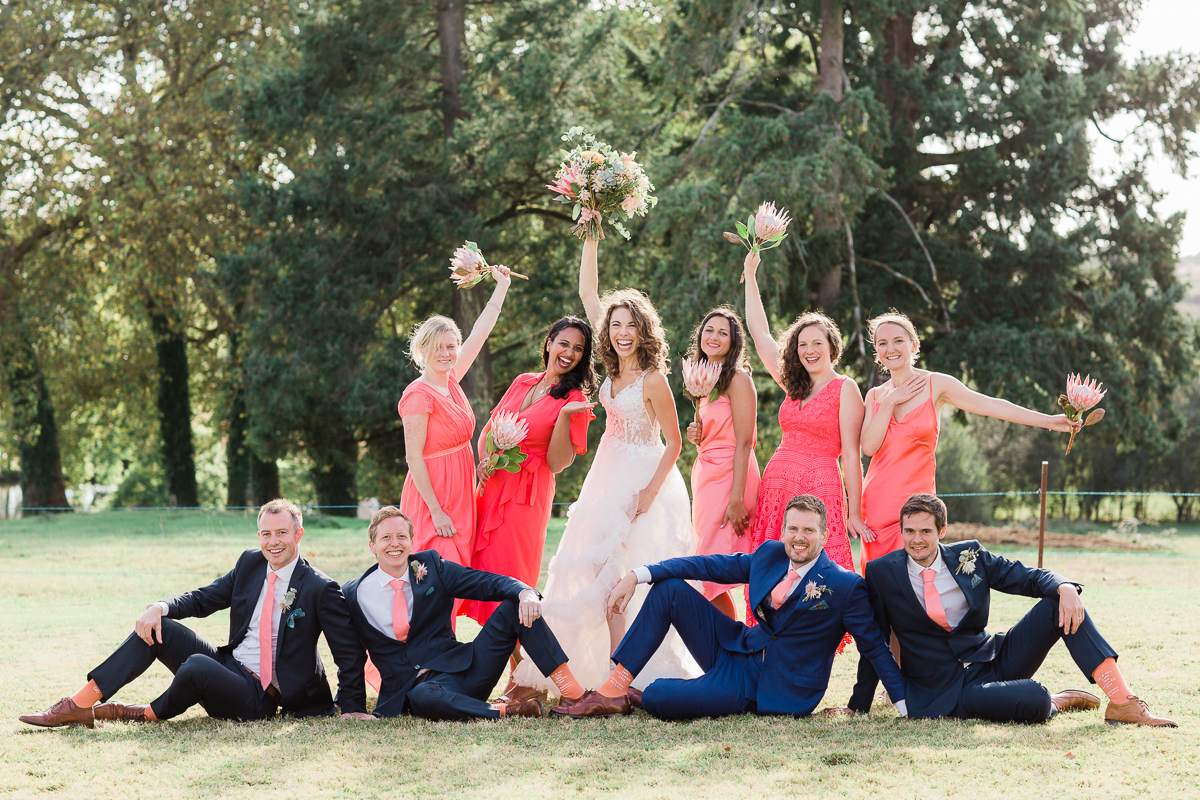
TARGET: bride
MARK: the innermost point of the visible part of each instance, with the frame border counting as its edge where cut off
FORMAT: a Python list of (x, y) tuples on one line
[(633, 508)]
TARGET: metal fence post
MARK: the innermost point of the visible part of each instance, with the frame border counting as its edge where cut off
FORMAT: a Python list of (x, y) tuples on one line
[(1042, 517)]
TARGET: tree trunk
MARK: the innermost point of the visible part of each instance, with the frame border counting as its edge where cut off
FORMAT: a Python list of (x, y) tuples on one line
[(174, 409), (466, 306), (237, 451), (32, 417), (264, 480), (900, 54), (831, 78), (335, 463), (452, 20)]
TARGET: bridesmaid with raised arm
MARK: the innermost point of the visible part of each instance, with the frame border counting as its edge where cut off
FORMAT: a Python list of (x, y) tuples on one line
[(821, 419), (515, 507), (439, 491), (725, 474), (900, 429)]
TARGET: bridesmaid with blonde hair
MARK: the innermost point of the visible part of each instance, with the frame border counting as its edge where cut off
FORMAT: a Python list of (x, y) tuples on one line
[(725, 474), (900, 428), (439, 491)]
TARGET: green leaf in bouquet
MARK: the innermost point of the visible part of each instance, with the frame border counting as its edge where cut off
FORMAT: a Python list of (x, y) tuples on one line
[(742, 230), (490, 443), (1066, 406), (473, 246), (714, 394), (750, 225), (515, 458), (621, 230), (575, 211)]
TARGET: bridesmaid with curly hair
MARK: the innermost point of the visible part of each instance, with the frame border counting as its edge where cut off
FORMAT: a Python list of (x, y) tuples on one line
[(725, 474), (821, 421)]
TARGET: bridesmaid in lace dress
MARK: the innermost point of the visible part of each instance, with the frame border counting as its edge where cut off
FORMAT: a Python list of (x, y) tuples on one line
[(439, 491), (725, 475), (900, 430), (821, 420)]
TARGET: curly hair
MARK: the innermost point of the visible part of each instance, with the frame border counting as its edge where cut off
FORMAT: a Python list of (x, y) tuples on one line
[(794, 377), (893, 317), (583, 375), (737, 358), (652, 348)]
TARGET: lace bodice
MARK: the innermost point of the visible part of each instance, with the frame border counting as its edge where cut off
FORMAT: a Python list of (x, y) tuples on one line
[(628, 420)]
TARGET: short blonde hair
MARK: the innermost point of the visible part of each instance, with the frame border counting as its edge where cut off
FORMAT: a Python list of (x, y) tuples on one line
[(387, 512), (279, 505), (426, 336)]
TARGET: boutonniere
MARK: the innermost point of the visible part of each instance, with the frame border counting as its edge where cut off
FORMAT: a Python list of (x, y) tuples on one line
[(288, 599), (419, 570), (295, 615), (812, 591), (966, 561)]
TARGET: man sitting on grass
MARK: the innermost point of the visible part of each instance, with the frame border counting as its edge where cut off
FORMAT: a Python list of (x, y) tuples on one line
[(278, 607), (936, 597), (402, 608)]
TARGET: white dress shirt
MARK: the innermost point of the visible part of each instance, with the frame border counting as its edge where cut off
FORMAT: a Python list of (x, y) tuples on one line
[(643, 576), (954, 602), (247, 651), (375, 598)]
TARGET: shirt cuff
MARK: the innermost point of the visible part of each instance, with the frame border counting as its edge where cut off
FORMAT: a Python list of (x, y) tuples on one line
[(166, 609), (642, 574), (902, 708)]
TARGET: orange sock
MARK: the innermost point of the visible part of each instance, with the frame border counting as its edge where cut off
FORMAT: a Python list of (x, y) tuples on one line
[(502, 708), (617, 683), (150, 714), (1110, 680), (88, 696), (568, 687)]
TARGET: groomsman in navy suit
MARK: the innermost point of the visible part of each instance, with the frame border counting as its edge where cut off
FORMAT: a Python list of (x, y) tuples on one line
[(936, 599), (803, 602), (278, 605), (403, 607)]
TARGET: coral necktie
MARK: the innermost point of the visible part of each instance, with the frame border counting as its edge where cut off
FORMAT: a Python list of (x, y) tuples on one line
[(266, 653), (780, 593), (933, 600), (399, 611)]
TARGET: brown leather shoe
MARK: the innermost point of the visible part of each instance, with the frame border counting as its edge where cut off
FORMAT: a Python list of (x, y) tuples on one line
[(594, 704), (635, 697), (1066, 700), (64, 712), (525, 708), (519, 694), (119, 712), (1135, 712)]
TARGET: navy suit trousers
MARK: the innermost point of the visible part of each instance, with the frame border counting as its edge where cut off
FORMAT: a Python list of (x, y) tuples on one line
[(730, 680), (1003, 690)]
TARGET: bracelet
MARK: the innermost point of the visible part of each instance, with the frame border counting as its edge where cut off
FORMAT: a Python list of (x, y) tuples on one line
[(493, 304)]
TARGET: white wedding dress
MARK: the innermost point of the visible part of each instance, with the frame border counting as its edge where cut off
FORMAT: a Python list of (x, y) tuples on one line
[(600, 544)]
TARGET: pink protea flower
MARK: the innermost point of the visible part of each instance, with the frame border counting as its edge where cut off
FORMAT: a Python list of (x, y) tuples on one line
[(567, 176), (508, 430), (769, 223), (468, 267), (467, 260), (700, 377), (1082, 394)]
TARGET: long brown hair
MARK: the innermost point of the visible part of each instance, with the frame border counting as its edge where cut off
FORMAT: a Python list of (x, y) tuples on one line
[(794, 377), (583, 375), (652, 347), (737, 358)]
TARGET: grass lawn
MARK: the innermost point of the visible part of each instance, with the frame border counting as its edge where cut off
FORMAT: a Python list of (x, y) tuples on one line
[(73, 585)]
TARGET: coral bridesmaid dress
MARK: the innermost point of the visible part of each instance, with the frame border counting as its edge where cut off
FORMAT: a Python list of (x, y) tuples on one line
[(903, 466), (515, 507), (712, 484), (451, 466)]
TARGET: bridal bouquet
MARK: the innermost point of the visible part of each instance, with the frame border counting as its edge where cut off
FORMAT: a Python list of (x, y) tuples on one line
[(1081, 395), (503, 443), (700, 380), (762, 231), (468, 267), (598, 180)]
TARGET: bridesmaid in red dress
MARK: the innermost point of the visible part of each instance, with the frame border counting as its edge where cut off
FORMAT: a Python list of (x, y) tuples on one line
[(725, 475), (821, 420), (515, 507), (439, 491), (900, 429)]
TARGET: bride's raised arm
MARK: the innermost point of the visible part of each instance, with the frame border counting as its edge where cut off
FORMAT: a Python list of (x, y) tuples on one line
[(589, 282)]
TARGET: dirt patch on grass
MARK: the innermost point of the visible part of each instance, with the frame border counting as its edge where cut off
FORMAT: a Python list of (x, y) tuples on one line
[(1021, 537)]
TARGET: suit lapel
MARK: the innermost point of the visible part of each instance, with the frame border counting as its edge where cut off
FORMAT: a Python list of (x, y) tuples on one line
[(960, 576), (904, 586), (765, 573), (254, 586), (797, 601), (298, 575)]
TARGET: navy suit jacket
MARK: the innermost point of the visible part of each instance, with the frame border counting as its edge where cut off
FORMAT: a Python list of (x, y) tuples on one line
[(930, 656), (431, 641), (800, 639), (319, 607)]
